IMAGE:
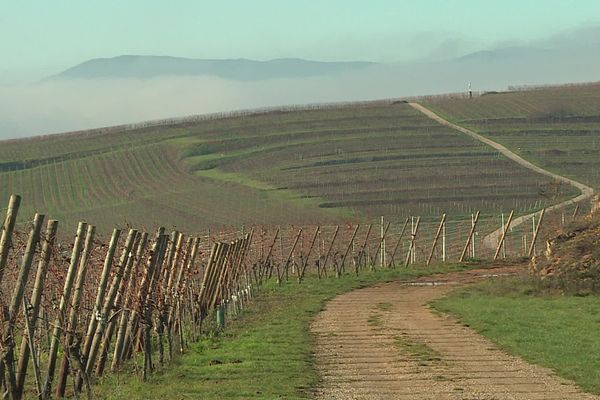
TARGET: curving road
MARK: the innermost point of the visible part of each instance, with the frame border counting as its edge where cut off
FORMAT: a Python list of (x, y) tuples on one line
[(491, 240), (385, 343)]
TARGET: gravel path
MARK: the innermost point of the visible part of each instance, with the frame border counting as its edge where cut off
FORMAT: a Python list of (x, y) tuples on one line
[(491, 240), (383, 342)]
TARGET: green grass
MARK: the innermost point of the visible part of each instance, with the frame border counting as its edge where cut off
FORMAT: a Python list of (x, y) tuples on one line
[(385, 306), (552, 330), (264, 354), (422, 352), (375, 321)]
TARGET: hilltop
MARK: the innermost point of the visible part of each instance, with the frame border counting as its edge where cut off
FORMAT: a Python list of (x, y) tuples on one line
[(333, 164), (144, 67)]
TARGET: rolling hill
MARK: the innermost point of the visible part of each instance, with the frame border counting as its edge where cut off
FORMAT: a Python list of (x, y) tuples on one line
[(144, 67), (557, 128), (331, 164)]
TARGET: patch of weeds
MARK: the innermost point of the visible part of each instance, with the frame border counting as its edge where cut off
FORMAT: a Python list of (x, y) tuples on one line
[(385, 306), (422, 352), (375, 321), (540, 324)]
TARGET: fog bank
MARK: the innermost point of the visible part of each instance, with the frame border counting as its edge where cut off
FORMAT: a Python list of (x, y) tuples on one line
[(65, 105)]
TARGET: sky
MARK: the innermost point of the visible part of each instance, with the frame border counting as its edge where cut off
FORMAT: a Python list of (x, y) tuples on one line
[(40, 38), (420, 44)]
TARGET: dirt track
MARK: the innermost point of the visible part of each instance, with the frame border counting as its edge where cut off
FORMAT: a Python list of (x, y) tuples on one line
[(491, 240), (383, 342)]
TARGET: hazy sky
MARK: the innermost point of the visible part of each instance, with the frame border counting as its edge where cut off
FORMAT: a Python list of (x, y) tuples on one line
[(38, 38)]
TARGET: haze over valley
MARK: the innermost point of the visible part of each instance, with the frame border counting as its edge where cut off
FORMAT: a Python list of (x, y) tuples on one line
[(132, 88)]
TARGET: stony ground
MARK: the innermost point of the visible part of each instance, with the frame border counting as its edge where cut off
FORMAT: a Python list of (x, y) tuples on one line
[(384, 342)]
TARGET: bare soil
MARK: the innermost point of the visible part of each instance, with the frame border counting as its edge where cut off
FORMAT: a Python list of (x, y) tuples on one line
[(384, 342)]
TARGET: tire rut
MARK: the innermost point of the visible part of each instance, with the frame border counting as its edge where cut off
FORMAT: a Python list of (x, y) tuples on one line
[(384, 342)]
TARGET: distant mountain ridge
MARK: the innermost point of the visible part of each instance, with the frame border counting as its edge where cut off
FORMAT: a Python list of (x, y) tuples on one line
[(145, 67)]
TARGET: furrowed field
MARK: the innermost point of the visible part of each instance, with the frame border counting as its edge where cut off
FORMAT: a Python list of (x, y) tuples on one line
[(344, 163), (557, 128)]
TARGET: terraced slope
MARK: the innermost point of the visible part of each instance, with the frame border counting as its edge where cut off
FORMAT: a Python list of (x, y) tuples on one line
[(555, 128), (376, 160), (142, 182), (318, 165)]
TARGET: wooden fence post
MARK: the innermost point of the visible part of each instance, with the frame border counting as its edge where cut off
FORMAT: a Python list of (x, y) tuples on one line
[(119, 303), (71, 325), (474, 235), (126, 304), (350, 245), (305, 263), (437, 236), (444, 242), (36, 297), (381, 246), (15, 306), (60, 318), (361, 253), (575, 212), (335, 233), (108, 305), (503, 237), (470, 237), (145, 308), (413, 238), (127, 260), (398, 242), (7, 230), (262, 273), (287, 261), (535, 234), (96, 312)]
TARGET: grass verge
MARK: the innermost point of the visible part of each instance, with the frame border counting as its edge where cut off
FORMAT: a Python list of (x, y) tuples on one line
[(549, 329), (265, 353)]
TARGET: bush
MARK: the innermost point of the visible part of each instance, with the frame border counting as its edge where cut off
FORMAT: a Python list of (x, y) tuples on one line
[(571, 261)]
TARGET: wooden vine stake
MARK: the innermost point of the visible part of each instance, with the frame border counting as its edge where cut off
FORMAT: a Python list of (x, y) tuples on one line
[(413, 238), (289, 258), (381, 247), (398, 242), (108, 304), (71, 351), (535, 234), (437, 236), (33, 310), (361, 253), (337, 228), (60, 318), (350, 244), (305, 263), (9, 324), (7, 230), (145, 308), (95, 316), (471, 233), (503, 237)]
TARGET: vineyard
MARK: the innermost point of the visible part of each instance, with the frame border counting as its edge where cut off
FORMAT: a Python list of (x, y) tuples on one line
[(344, 163), (162, 233), (555, 127), (135, 301)]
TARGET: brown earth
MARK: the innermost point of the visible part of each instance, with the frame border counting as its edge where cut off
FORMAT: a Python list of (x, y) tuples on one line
[(384, 342)]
